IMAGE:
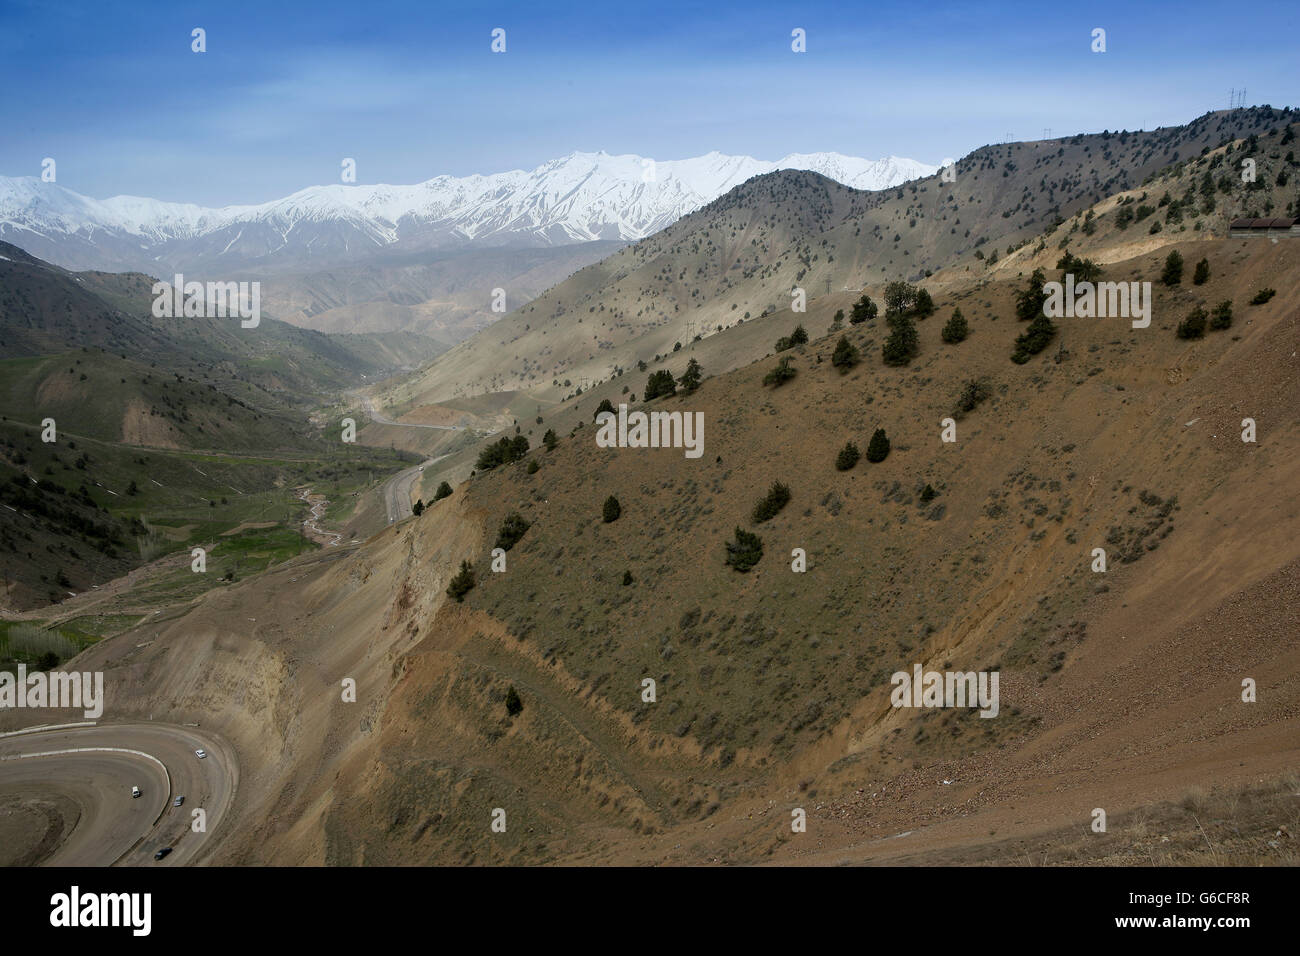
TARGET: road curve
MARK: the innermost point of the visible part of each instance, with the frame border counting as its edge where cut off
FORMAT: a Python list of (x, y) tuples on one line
[(87, 772), (397, 490), (380, 419)]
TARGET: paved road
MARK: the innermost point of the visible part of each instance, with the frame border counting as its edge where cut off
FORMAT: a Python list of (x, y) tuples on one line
[(96, 777), (397, 490)]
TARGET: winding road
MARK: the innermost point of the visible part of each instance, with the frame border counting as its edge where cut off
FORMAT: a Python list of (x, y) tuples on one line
[(65, 793)]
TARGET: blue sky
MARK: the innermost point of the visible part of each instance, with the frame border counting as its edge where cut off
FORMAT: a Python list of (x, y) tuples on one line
[(285, 90)]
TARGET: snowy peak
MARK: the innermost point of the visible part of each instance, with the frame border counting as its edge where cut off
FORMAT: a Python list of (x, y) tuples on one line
[(576, 198)]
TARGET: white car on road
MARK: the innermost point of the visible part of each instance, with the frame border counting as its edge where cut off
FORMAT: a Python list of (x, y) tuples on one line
[(200, 754)]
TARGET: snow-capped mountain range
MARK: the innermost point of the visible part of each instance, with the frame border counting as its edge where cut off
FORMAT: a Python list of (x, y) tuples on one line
[(581, 197)]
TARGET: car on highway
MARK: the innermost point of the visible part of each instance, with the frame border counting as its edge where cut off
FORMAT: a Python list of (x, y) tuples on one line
[(135, 791), (162, 853), (178, 801), (200, 754)]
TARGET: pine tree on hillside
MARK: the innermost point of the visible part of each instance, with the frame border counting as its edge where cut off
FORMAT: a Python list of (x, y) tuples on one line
[(902, 345), (878, 447), (956, 328), (1202, 273), (462, 583), (660, 383), (1173, 273), (863, 310), (845, 356), (691, 378)]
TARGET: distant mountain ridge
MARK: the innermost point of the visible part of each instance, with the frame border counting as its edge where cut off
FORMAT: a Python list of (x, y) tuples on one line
[(578, 198)]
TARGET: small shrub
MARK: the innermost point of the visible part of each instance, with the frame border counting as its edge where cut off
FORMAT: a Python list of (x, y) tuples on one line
[(444, 491), (972, 393), (777, 497), (1202, 273), (611, 509), (1034, 339), (1173, 273), (956, 328), (1193, 327), (745, 551), (1262, 296), (846, 355), (462, 582), (781, 374), (1221, 317), (660, 383), (512, 529), (848, 457), (513, 704), (878, 447)]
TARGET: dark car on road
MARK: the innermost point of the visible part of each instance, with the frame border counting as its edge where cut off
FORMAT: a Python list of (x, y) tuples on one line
[(162, 853)]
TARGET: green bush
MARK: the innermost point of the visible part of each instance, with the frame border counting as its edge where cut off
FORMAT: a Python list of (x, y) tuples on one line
[(512, 529), (660, 383), (444, 491), (513, 704), (605, 406), (1030, 300), (878, 447), (902, 345), (1202, 273), (846, 355), (692, 377), (462, 582), (777, 497), (798, 337), (550, 440), (611, 510), (972, 393), (1173, 273), (863, 310), (1034, 339), (1193, 327), (627, 578), (779, 375), (745, 551), (502, 452), (1221, 318), (956, 329), (1262, 296), (533, 467), (848, 457), (419, 508)]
